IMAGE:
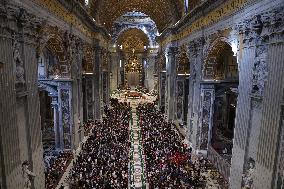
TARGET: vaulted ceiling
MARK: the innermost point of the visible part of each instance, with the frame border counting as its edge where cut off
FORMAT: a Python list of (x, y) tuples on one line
[(163, 12)]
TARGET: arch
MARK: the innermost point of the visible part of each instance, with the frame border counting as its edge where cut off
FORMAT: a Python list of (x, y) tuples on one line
[(214, 68), (138, 20), (54, 42), (139, 27), (133, 39)]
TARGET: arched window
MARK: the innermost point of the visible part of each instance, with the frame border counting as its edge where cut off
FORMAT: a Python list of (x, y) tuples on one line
[(86, 2)]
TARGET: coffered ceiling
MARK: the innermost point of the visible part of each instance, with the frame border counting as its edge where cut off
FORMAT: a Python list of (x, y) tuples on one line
[(163, 12)]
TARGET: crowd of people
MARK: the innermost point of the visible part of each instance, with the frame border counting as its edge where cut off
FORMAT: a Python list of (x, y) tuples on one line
[(168, 159), (57, 168), (103, 160), (88, 126)]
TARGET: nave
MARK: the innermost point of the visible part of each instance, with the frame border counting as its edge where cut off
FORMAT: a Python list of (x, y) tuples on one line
[(78, 80), (134, 147)]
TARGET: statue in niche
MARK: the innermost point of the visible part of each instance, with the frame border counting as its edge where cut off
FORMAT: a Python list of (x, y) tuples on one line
[(20, 72), (27, 174), (248, 175)]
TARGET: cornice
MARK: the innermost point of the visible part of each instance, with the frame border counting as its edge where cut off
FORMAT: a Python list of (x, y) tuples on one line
[(80, 11), (74, 14), (204, 15)]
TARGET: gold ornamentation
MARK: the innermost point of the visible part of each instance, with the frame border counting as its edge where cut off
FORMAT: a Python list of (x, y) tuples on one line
[(212, 17), (57, 9), (163, 12), (133, 39), (133, 65), (220, 63)]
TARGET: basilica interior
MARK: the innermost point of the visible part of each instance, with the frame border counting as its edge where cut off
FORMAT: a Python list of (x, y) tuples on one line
[(152, 94)]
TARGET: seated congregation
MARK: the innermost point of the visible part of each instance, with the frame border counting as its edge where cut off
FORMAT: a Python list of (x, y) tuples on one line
[(103, 162), (168, 159)]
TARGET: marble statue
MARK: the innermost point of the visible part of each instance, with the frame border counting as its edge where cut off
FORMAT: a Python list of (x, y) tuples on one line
[(27, 174), (248, 176)]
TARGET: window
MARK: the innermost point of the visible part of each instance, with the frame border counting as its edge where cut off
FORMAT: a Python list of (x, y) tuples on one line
[(186, 6), (86, 2)]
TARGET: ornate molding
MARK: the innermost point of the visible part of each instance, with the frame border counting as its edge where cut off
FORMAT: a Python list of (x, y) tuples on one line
[(195, 47), (223, 10), (206, 117), (265, 28), (260, 31)]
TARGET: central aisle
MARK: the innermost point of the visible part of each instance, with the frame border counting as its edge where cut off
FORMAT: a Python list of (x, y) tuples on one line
[(137, 163)]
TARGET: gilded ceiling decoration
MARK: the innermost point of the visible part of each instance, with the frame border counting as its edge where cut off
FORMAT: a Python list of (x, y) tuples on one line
[(133, 39), (163, 12), (227, 8), (55, 43)]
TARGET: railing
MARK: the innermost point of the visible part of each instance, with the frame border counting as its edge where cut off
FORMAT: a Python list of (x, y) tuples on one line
[(219, 162)]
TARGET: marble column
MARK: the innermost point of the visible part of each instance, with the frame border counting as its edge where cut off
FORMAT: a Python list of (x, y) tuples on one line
[(268, 75), (115, 72), (58, 139), (246, 57), (19, 98), (171, 81), (195, 54), (150, 69), (97, 82), (76, 74)]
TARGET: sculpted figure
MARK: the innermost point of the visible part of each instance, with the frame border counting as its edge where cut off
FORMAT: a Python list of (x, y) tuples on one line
[(27, 174), (248, 176)]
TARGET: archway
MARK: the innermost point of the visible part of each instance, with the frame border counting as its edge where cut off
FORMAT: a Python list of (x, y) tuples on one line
[(219, 103), (182, 86), (133, 45), (48, 96), (222, 67)]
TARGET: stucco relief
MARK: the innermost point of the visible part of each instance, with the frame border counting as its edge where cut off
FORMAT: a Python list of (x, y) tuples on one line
[(260, 31), (19, 64), (206, 118), (66, 116), (260, 71), (179, 99)]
